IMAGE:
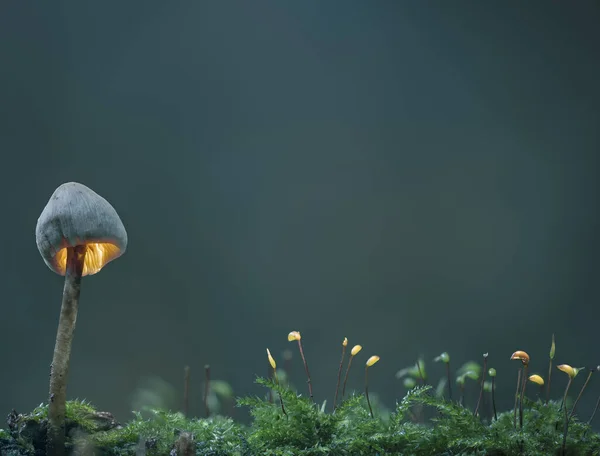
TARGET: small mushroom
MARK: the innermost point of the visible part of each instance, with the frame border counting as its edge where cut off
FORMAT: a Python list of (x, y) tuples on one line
[(77, 234)]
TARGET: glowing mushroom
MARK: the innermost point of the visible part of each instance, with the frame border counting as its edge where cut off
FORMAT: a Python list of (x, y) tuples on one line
[(77, 234)]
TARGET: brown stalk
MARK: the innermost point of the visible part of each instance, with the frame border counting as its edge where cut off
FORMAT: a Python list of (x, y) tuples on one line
[(525, 368), (367, 390), (494, 398), (566, 428), (206, 389), (310, 392), (59, 369), (581, 392), (517, 399), (482, 382), (339, 375), (346, 376), (186, 390), (449, 383)]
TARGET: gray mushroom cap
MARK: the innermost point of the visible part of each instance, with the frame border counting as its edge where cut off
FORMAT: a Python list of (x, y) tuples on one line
[(76, 215)]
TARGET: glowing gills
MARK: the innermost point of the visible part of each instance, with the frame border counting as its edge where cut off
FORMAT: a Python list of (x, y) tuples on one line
[(97, 255)]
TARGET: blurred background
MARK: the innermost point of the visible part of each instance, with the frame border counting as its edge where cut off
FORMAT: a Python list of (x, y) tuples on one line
[(418, 177)]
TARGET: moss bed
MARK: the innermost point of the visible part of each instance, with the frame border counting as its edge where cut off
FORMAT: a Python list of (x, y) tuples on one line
[(423, 423)]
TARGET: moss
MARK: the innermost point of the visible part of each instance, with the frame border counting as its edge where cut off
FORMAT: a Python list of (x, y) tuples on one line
[(79, 412), (307, 429), (158, 434), (423, 422)]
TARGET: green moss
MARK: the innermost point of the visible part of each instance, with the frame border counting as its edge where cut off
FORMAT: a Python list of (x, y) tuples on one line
[(158, 434), (423, 422), (307, 429), (80, 412)]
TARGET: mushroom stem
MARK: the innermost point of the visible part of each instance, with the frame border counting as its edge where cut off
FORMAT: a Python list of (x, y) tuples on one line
[(59, 370)]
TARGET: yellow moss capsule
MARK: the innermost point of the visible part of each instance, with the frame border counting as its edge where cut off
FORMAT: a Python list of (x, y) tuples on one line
[(294, 335), (552, 348), (271, 360), (345, 343), (355, 350), (536, 379), (523, 356), (372, 360), (571, 372)]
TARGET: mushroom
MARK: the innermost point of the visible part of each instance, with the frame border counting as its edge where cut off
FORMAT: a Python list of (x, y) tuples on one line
[(77, 234)]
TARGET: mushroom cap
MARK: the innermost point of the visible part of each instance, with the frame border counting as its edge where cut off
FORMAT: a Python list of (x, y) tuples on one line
[(76, 215)]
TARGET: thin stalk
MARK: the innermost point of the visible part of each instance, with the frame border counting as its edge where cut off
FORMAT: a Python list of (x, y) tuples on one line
[(549, 380), (525, 368), (482, 381), (59, 370), (268, 378), (346, 376), (310, 392), (367, 390), (580, 393), (280, 398), (339, 375), (517, 398), (594, 412), (206, 389), (449, 383), (552, 353), (420, 373), (186, 390), (494, 398), (564, 444)]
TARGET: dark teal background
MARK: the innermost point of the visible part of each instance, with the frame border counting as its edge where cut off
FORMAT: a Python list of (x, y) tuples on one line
[(416, 176)]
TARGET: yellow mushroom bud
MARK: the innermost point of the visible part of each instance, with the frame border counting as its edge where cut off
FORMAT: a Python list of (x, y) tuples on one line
[(355, 350), (523, 356), (372, 360), (536, 379), (271, 360), (345, 343), (294, 335)]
